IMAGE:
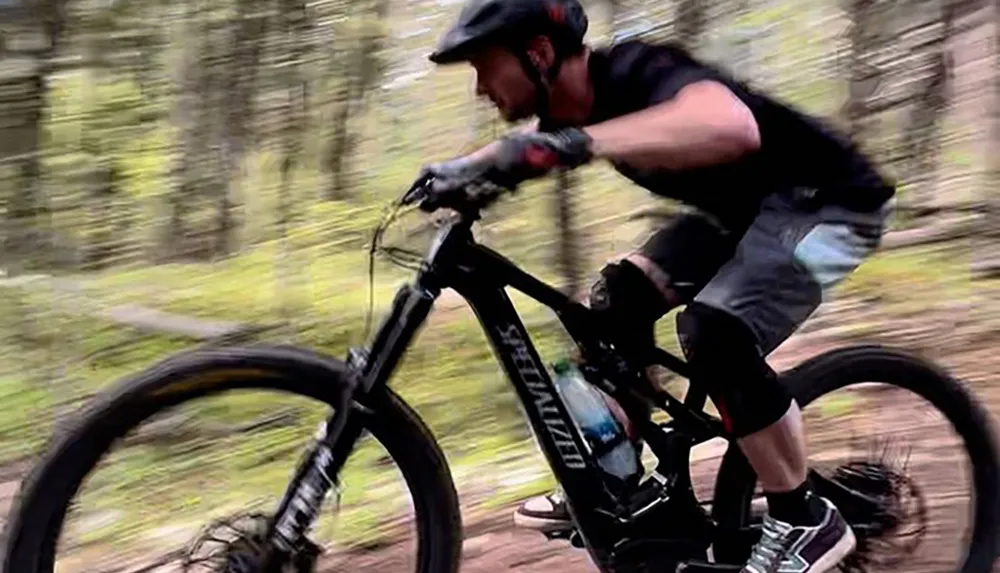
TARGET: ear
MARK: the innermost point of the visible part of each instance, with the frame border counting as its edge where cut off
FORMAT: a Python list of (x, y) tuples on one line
[(541, 52)]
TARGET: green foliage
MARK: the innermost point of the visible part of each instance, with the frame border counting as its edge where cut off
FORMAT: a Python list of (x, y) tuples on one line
[(22, 428), (185, 84)]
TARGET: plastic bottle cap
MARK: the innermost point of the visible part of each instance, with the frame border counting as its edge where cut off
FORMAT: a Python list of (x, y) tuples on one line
[(562, 367)]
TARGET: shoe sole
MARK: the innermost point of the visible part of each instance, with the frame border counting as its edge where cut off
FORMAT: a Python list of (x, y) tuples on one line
[(834, 556), (541, 523)]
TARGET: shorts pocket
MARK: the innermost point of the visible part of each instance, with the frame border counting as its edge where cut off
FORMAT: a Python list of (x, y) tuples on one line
[(831, 251)]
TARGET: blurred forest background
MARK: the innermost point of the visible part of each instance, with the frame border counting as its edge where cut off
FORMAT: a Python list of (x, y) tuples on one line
[(180, 172)]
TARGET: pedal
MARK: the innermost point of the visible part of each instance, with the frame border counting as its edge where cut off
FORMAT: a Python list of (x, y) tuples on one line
[(559, 533), (554, 534), (571, 534), (695, 566)]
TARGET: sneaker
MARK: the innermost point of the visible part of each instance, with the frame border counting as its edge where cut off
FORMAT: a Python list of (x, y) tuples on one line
[(544, 513), (784, 548)]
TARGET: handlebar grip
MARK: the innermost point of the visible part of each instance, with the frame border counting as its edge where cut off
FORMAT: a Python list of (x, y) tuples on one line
[(476, 193)]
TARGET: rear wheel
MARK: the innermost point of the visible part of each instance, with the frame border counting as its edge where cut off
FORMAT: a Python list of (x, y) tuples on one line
[(49, 494), (848, 397)]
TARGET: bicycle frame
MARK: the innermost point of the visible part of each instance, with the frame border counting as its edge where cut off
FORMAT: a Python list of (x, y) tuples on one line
[(481, 275)]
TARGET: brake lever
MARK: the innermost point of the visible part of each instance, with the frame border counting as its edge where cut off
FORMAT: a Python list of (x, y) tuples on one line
[(417, 191)]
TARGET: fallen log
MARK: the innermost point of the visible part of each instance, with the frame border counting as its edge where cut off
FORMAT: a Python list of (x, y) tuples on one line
[(138, 317), (159, 322), (934, 233)]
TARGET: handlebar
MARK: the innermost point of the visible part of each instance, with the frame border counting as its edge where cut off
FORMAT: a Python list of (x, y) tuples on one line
[(470, 197)]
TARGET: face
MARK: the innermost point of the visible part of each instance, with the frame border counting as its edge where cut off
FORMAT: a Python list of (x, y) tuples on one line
[(499, 77)]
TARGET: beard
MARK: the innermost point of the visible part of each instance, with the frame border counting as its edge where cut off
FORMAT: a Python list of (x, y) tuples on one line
[(518, 111)]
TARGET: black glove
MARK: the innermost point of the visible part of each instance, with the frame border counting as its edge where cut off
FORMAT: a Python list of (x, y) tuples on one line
[(450, 179), (524, 156), (520, 156)]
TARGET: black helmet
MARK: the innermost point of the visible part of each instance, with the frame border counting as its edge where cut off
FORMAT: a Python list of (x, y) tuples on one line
[(510, 22)]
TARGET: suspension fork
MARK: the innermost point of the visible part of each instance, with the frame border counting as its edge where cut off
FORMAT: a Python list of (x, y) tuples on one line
[(317, 473)]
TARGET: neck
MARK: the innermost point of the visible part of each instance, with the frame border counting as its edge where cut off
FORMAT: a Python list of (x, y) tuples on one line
[(572, 95)]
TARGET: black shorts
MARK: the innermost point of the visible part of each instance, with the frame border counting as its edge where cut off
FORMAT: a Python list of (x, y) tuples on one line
[(774, 275)]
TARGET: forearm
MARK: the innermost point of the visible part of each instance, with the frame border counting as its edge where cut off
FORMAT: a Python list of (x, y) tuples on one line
[(489, 150), (703, 125)]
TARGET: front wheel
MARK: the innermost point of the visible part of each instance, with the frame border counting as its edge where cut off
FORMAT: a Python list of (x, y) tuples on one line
[(48, 494), (863, 410)]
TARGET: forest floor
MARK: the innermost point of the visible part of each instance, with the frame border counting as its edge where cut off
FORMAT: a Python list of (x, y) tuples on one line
[(957, 330), (936, 465)]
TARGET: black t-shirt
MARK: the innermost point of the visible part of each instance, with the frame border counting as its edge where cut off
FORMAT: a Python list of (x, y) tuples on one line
[(796, 150)]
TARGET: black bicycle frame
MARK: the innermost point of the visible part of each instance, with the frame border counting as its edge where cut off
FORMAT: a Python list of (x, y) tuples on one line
[(481, 276), (663, 520)]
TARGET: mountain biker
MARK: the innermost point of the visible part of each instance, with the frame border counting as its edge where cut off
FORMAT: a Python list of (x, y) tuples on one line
[(784, 208)]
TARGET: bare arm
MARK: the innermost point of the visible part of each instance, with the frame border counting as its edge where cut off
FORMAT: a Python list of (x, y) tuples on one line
[(703, 125), (490, 149)]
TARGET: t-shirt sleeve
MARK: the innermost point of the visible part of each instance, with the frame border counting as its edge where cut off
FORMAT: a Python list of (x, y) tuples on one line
[(677, 78), (654, 73)]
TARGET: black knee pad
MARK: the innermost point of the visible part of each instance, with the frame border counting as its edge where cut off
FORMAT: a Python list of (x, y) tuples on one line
[(726, 361), (628, 304)]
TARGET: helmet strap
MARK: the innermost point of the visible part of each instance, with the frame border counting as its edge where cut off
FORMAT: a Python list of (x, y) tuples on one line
[(541, 84)]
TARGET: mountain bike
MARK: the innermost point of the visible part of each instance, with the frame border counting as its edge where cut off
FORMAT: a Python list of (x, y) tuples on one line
[(657, 525)]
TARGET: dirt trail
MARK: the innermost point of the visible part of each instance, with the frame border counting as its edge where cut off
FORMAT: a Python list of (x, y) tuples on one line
[(936, 462), (492, 543)]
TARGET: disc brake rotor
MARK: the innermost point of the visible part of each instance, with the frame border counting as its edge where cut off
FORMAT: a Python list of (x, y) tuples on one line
[(238, 544), (901, 521)]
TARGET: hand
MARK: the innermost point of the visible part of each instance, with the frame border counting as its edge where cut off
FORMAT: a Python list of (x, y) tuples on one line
[(507, 162), (527, 155), (456, 173), (450, 178)]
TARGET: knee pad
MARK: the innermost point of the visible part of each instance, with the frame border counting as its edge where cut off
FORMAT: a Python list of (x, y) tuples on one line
[(726, 361), (628, 304)]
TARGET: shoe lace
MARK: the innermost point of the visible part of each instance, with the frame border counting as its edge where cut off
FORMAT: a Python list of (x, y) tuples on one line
[(770, 549)]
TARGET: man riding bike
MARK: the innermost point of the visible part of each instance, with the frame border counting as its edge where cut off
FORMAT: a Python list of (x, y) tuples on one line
[(785, 209)]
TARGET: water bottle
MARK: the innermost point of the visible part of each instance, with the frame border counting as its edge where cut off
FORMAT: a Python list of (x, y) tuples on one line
[(615, 453)]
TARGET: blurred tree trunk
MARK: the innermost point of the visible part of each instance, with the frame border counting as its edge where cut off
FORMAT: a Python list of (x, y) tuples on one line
[(901, 49), (102, 179), (975, 51), (920, 147), (569, 259), (989, 264), (337, 151), (689, 23), (212, 112), (184, 119), (294, 50), (898, 76), (23, 101), (862, 77), (294, 20), (218, 92), (246, 43), (992, 187), (361, 68), (101, 242)]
